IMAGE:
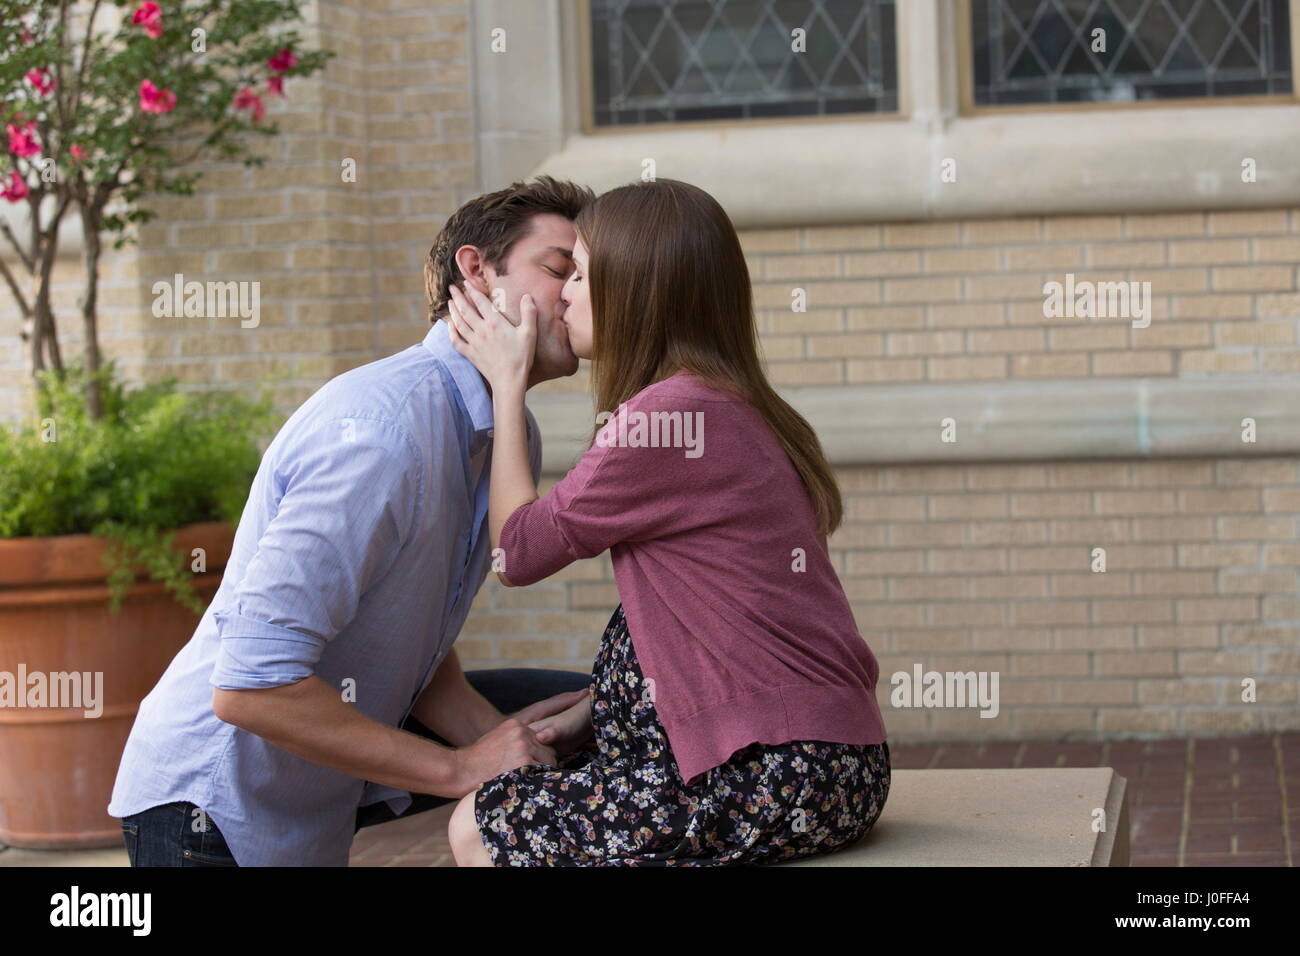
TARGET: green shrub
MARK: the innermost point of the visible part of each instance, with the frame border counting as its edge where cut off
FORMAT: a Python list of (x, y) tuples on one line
[(159, 459)]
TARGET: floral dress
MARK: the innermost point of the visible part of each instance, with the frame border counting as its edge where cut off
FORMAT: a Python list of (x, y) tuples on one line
[(623, 802)]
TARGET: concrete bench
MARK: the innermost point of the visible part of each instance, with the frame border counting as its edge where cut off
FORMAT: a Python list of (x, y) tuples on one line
[(1032, 817)]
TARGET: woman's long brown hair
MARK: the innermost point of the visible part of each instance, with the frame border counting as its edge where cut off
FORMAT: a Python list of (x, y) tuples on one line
[(670, 292)]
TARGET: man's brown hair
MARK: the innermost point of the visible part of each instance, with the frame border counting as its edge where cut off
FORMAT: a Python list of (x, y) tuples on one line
[(494, 222)]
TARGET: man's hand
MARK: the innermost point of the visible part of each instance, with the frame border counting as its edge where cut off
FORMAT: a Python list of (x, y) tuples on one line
[(507, 747)]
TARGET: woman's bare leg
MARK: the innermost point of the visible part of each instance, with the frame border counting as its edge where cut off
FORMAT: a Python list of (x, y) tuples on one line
[(466, 844)]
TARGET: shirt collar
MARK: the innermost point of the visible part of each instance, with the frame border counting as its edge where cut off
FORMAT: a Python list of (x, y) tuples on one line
[(473, 390)]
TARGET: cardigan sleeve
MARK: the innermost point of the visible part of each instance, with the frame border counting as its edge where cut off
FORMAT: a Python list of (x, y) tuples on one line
[(613, 494)]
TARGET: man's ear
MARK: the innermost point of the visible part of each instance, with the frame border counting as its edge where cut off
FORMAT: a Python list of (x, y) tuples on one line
[(470, 264)]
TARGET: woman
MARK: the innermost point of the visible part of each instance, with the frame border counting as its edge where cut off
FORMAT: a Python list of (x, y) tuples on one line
[(732, 699)]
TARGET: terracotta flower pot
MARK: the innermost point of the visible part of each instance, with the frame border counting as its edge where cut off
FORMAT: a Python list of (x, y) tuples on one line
[(57, 764)]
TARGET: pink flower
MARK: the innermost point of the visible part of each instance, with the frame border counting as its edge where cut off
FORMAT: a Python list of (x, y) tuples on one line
[(15, 189), (21, 141), (284, 61), (76, 152), (42, 79), (246, 99), (276, 85), (154, 100), (149, 14)]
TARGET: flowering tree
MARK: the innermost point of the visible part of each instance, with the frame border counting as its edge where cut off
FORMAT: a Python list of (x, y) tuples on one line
[(104, 104)]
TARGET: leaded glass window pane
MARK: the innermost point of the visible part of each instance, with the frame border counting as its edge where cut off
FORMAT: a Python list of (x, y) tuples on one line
[(689, 60), (1045, 51)]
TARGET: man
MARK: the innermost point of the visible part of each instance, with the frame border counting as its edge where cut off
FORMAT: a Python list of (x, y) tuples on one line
[(320, 688)]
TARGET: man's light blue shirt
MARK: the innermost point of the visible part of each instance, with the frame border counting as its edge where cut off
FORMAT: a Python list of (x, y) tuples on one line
[(359, 552)]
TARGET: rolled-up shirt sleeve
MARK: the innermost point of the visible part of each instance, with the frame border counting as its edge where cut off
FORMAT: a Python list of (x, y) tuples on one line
[(350, 490)]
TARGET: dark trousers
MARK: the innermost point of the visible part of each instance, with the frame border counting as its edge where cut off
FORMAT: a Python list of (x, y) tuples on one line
[(181, 834)]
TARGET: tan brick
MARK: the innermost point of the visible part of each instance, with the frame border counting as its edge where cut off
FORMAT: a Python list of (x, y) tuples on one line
[(1049, 612), (1209, 252), (1236, 307), (802, 267), (1226, 663), (885, 370), (1017, 476), (923, 535), (969, 561), (1151, 583), (1172, 472), (999, 231), (1098, 692), (1001, 288), (1181, 528), (1051, 504), (1178, 636), (962, 260), (1050, 366), (1178, 692), (923, 343), (1020, 586), (881, 318), (927, 290), (824, 294), (1093, 638), (1136, 502), (907, 235), (1254, 471), (870, 264), (1177, 224), (855, 344), (1263, 582), (815, 320), (1275, 360), (886, 507), (1135, 664), (1110, 255), (1247, 222), (1209, 361), (832, 237), (967, 315), (1239, 529), (1093, 532), (893, 561), (1092, 584), (1083, 227), (1172, 335), (1133, 363), (1253, 279), (966, 368), (1055, 664), (1007, 340), (1089, 337), (1276, 250), (1255, 333), (806, 373), (1043, 258)]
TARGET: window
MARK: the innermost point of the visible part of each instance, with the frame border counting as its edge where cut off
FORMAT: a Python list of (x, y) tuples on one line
[(675, 61), (1070, 51)]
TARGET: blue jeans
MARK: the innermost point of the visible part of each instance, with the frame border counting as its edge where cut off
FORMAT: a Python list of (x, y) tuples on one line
[(181, 834)]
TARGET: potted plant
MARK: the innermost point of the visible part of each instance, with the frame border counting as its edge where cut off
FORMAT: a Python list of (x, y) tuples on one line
[(116, 503)]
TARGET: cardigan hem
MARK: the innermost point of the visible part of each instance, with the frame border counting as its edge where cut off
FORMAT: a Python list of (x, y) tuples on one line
[(836, 714)]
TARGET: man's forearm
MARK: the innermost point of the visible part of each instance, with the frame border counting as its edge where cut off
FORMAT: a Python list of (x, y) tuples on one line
[(452, 708), (310, 720)]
